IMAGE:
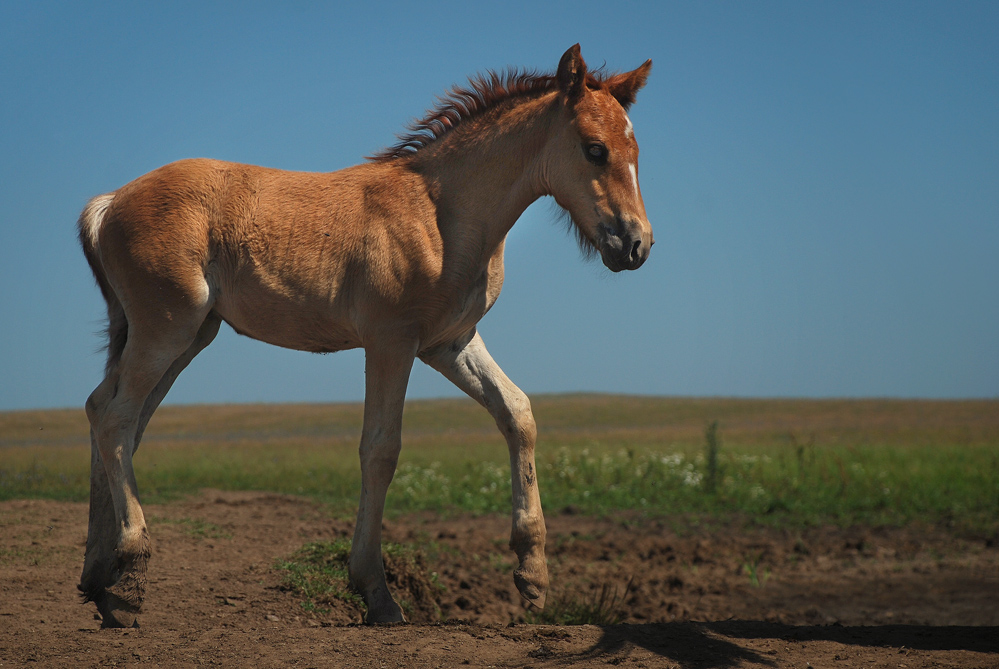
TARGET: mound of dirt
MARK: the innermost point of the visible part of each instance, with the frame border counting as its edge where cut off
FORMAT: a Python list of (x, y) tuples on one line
[(408, 576), (688, 594)]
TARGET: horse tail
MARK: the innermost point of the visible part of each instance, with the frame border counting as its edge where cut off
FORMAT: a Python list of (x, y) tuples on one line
[(90, 224)]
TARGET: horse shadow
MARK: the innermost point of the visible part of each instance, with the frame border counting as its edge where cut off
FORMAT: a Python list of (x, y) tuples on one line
[(712, 645)]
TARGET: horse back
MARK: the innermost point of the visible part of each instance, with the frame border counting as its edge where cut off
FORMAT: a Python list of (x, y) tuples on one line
[(302, 260)]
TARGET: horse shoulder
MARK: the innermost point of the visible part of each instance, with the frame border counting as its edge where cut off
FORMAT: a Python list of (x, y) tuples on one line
[(393, 221)]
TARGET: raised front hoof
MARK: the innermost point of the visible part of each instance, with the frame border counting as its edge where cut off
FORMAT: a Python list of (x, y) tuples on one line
[(535, 593), (115, 612)]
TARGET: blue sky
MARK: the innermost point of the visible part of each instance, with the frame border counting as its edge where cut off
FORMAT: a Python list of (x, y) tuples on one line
[(823, 180)]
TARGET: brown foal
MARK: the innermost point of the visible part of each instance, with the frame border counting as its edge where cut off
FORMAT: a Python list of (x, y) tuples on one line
[(401, 255)]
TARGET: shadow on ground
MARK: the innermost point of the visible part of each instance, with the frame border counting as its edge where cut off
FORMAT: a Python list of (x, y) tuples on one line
[(714, 645)]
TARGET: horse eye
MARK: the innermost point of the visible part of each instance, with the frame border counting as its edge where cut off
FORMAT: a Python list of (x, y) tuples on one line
[(596, 153)]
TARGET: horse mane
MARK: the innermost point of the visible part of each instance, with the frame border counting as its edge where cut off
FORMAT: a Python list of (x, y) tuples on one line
[(460, 104)]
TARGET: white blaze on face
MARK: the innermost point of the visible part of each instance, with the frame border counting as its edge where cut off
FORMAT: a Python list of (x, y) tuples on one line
[(629, 130), (634, 176)]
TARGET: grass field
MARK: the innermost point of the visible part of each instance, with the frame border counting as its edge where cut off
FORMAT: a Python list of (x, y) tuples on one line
[(770, 461)]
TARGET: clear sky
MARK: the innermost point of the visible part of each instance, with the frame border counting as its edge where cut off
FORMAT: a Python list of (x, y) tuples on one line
[(823, 180)]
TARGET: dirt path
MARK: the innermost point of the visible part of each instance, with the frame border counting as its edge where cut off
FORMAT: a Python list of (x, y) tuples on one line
[(823, 597)]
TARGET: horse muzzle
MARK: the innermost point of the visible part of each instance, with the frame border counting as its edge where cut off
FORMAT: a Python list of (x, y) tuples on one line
[(624, 245)]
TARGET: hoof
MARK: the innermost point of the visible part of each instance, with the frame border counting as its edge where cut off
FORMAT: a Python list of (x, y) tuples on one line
[(382, 609), (385, 616), (534, 594), (116, 612), (120, 604)]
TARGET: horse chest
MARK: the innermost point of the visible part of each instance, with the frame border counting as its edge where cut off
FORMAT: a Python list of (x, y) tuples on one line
[(469, 304)]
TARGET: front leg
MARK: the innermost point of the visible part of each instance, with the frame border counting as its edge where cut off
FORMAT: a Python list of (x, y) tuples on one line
[(386, 369), (469, 366)]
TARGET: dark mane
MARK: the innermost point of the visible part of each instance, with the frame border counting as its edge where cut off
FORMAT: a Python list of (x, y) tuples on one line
[(462, 103)]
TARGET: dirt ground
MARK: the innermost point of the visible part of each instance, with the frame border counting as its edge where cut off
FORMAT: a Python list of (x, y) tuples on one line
[(686, 595)]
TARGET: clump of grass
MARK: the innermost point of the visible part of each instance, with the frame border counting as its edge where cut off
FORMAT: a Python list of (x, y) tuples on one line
[(605, 607), (751, 567), (712, 446), (318, 572)]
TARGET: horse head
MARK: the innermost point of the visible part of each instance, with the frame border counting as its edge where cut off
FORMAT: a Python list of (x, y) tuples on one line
[(592, 162)]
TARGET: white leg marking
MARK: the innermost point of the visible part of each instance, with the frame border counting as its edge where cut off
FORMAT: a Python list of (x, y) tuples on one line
[(473, 370)]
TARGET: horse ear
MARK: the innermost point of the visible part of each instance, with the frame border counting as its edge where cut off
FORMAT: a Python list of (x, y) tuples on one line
[(571, 75), (625, 86)]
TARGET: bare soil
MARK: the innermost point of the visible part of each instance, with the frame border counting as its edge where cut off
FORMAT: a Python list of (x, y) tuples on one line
[(685, 595)]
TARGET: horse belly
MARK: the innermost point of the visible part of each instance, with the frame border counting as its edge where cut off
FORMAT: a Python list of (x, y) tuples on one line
[(300, 334), (296, 322)]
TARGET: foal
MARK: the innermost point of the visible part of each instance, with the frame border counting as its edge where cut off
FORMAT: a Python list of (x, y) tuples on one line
[(401, 255)]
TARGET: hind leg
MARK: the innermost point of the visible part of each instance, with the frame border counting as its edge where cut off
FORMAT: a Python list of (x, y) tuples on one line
[(117, 542), (101, 534), (206, 335)]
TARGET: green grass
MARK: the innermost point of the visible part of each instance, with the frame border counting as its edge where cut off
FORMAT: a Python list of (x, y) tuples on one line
[(772, 461), (195, 527), (605, 607), (751, 568), (317, 572)]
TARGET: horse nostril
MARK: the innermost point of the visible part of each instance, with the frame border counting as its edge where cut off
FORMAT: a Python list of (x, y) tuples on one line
[(636, 250)]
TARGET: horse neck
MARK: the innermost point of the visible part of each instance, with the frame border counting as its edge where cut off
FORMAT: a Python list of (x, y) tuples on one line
[(487, 174)]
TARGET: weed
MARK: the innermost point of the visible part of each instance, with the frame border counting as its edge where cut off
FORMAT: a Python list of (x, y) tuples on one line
[(603, 608), (712, 446), (751, 567), (318, 572), (501, 563)]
